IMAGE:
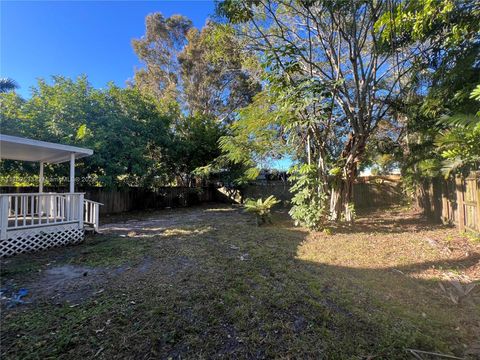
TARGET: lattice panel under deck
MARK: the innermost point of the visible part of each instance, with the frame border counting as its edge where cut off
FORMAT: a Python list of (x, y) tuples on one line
[(30, 240)]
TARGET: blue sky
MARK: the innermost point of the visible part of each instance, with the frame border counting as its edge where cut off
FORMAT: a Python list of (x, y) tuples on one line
[(43, 38)]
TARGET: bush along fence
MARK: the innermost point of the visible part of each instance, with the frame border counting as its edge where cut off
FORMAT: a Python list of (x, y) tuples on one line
[(454, 201)]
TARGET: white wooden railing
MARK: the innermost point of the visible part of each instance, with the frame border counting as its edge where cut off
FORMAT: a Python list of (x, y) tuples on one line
[(32, 210), (91, 213)]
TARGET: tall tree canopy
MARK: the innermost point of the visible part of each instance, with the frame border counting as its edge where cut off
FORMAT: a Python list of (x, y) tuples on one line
[(214, 81), (158, 49), (134, 140), (192, 68), (128, 134), (155, 132)]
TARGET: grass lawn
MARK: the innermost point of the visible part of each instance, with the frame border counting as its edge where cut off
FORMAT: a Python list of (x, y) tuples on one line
[(207, 283)]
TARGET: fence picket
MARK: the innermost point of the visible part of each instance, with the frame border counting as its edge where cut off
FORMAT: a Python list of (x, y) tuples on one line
[(460, 201)]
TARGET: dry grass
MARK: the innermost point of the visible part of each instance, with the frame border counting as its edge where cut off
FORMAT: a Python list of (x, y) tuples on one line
[(207, 283)]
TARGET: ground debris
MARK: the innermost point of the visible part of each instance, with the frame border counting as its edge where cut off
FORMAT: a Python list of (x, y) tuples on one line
[(244, 257), (438, 245), (424, 355), (13, 298), (99, 351)]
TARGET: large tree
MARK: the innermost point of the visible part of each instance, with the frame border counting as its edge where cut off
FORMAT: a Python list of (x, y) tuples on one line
[(135, 142), (193, 69), (129, 135), (214, 82), (330, 77), (158, 49), (199, 74)]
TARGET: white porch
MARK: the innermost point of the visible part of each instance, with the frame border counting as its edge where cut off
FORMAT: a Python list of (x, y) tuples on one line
[(35, 221)]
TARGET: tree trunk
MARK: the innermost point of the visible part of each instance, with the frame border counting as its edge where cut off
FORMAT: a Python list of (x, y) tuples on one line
[(341, 194), (341, 199)]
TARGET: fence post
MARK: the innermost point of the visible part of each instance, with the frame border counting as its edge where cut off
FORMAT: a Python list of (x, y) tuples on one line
[(460, 203), (477, 194), (445, 212)]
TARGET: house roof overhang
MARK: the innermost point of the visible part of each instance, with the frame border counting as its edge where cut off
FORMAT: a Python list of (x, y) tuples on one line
[(24, 149)]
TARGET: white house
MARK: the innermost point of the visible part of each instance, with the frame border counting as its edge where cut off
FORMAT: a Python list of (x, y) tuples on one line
[(35, 221)]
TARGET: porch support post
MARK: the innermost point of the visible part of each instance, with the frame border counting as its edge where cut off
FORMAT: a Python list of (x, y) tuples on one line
[(3, 216), (40, 178), (72, 172), (81, 211)]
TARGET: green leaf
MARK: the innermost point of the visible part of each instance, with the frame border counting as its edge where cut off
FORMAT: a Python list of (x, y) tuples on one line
[(475, 93), (81, 132)]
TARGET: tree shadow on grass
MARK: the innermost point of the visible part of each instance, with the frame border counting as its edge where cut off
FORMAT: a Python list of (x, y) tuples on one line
[(444, 316), (370, 304)]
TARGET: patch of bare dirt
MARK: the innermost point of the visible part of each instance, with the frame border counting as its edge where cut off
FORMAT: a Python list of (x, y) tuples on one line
[(74, 284), (57, 285), (68, 283)]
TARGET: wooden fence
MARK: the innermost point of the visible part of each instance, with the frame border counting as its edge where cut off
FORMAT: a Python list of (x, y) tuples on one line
[(373, 191), (368, 191), (128, 199), (378, 191), (455, 201)]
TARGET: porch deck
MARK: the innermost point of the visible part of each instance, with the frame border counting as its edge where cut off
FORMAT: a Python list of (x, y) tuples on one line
[(35, 221)]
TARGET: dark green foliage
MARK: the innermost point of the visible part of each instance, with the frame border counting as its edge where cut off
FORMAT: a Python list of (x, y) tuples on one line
[(135, 142), (124, 128), (196, 144), (459, 143), (155, 132), (310, 208), (237, 11), (435, 139)]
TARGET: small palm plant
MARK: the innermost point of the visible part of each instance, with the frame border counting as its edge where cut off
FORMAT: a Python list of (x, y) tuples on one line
[(261, 208)]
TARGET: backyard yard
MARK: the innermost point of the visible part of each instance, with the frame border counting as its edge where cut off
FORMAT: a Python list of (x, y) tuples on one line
[(121, 158), (205, 282)]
